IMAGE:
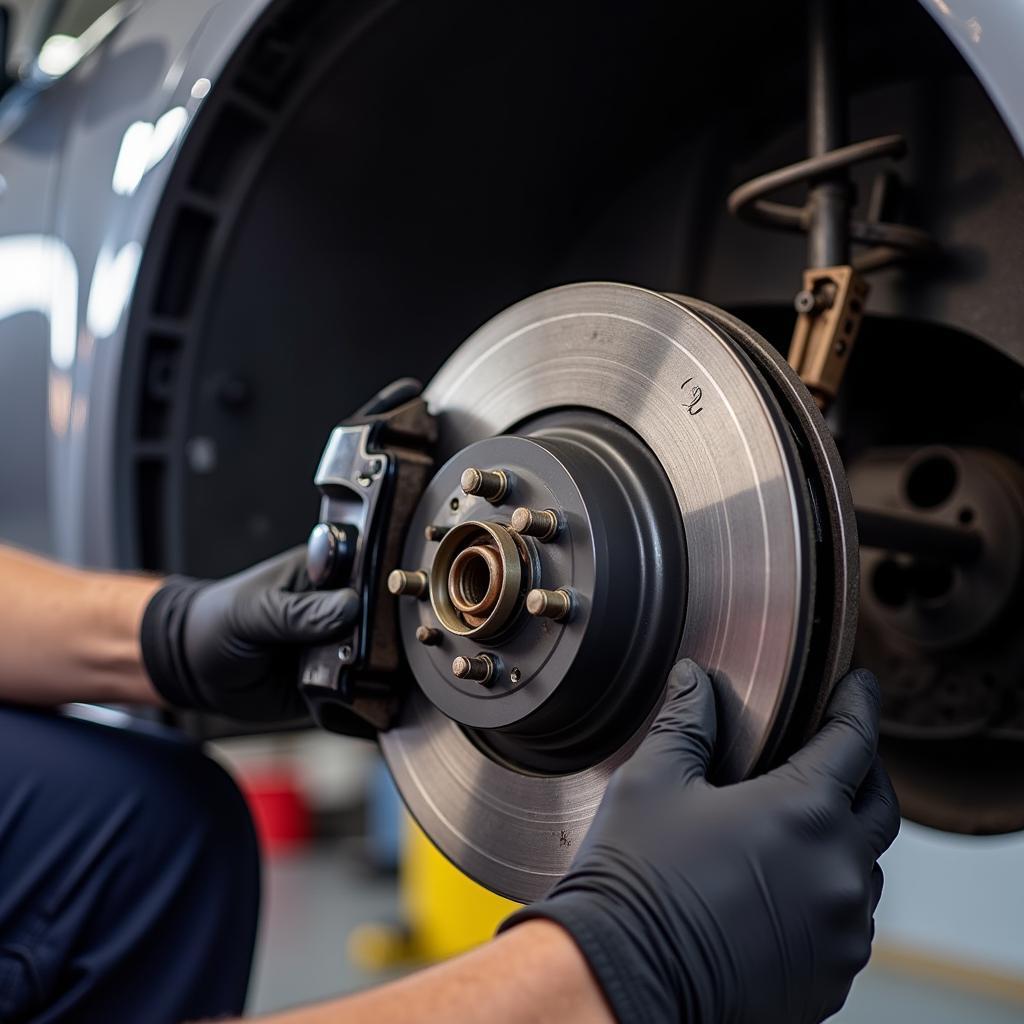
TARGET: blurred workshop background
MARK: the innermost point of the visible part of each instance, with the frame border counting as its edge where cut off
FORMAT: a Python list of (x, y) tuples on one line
[(156, 440), (353, 895)]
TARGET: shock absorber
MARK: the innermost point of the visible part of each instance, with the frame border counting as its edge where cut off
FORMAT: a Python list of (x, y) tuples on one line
[(830, 305), (828, 199)]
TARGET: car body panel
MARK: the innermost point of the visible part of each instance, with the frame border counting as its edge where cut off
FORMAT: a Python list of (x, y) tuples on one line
[(990, 35), (83, 168), (126, 108)]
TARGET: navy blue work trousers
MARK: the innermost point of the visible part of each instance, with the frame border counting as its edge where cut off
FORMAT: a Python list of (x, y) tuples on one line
[(129, 877)]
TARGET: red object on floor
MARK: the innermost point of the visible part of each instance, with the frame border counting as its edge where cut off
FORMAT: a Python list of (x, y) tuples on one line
[(279, 809)]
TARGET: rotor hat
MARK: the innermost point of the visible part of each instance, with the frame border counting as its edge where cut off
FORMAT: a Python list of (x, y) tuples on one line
[(580, 622)]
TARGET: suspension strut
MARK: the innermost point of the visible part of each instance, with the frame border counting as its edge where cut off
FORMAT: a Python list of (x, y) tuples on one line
[(830, 304)]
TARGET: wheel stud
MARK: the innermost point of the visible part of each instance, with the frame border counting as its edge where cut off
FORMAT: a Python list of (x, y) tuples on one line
[(408, 584), (549, 604), (480, 668), (491, 484), (532, 522), (428, 636)]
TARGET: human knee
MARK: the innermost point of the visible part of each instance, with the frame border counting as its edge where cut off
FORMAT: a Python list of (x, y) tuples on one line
[(193, 795)]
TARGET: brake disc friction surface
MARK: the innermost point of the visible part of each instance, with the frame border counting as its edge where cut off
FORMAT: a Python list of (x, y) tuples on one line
[(686, 389)]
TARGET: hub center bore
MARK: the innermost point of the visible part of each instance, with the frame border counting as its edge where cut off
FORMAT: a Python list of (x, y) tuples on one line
[(475, 581), (479, 576)]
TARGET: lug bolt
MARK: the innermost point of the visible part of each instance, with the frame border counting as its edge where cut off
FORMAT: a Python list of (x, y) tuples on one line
[(408, 584), (428, 637), (480, 668), (435, 532), (533, 522), (549, 604), (491, 484)]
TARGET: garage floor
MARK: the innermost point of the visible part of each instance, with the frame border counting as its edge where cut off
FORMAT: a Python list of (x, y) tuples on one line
[(315, 899)]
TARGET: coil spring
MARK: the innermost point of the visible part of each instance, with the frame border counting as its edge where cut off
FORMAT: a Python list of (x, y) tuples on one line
[(889, 243)]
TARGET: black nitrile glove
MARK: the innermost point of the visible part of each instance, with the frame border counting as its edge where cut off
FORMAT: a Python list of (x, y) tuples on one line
[(232, 646), (740, 903)]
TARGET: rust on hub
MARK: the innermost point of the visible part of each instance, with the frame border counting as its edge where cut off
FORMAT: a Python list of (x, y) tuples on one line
[(475, 582), (479, 575)]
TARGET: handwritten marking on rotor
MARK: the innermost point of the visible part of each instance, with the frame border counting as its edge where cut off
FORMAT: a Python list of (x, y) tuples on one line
[(693, 406), (563, 839)]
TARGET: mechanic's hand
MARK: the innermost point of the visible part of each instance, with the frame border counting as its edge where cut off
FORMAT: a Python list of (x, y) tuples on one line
[(232, 646), (740, 903)]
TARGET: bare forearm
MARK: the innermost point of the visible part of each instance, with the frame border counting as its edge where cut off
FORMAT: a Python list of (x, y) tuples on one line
[(68, 635), (533, 974)]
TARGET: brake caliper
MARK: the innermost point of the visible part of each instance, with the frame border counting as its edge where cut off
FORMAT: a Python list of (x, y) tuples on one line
[(371, 475)]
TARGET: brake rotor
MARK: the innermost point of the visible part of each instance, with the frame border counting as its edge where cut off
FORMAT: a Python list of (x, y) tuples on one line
[(702, 511)]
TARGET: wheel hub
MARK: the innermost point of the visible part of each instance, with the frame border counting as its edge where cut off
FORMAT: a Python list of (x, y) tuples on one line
[(606, 585)]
